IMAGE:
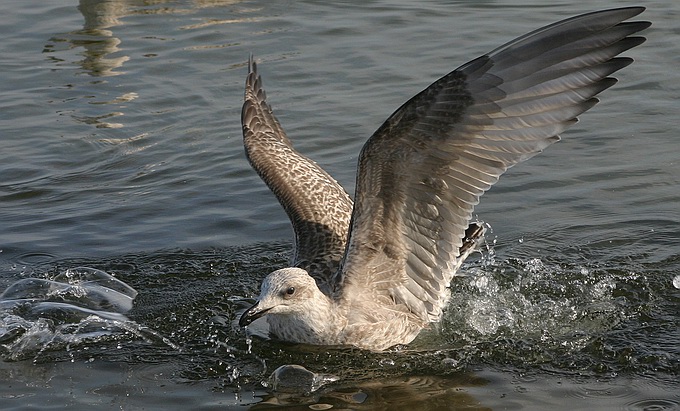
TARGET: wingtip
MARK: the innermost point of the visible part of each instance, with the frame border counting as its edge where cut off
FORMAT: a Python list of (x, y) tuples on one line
[(252, 66), (638, 9), (630, 12)]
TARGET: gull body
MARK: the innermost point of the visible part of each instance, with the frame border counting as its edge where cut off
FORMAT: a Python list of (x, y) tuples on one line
[(373, 272)]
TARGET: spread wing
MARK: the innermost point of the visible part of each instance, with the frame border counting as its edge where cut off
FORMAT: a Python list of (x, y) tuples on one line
[(318, 207), (424, 169)]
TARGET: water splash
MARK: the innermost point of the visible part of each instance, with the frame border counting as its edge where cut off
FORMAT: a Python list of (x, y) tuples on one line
[(82, 304), (534, 298)]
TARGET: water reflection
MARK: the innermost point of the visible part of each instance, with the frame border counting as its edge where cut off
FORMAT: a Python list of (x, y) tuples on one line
[(97, 41), (408, 393)]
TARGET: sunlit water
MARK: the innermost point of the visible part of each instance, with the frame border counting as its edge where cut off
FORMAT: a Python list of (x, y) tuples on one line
[(122, 152)]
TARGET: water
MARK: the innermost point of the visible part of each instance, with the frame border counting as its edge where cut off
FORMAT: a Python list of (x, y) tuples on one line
[(122, 152)]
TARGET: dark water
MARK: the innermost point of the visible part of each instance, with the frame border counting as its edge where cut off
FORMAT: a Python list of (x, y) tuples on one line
[(121, 151)]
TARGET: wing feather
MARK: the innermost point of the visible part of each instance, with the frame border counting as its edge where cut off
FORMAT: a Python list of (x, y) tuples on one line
[(318, 207), (423, 171)]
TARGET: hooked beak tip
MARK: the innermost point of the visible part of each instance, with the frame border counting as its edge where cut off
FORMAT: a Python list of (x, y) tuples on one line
[(251, 314)]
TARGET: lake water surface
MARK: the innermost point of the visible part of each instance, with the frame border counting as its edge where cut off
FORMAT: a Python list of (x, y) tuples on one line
[(121, 150)]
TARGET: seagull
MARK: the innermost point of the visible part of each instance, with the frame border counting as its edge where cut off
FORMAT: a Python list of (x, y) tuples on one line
[(374, 272)]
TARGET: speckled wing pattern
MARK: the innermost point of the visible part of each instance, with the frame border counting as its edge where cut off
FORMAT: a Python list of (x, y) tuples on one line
[(425, 168), (318, 207)]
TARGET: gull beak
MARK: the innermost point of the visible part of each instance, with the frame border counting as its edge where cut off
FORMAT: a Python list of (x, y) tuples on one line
[(252, 314)]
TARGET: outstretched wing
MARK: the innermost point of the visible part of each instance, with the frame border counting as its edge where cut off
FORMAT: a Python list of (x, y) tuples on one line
[(316, 204), (424, 169)]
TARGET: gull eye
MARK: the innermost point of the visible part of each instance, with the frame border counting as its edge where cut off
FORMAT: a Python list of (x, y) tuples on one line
[(290, 291)]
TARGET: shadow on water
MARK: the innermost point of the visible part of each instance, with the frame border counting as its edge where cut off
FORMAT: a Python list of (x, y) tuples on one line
[(592, 319)]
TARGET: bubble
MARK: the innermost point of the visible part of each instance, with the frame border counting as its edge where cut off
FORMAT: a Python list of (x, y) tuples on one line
[(297, 379)]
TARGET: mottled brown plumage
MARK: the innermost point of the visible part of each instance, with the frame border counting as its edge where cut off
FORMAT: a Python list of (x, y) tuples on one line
[(372, 274)]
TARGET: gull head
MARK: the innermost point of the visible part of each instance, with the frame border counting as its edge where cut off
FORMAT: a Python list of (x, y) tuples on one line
[(285, 292)]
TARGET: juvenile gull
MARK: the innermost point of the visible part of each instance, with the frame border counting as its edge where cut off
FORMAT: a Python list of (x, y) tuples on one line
[(374, 273)]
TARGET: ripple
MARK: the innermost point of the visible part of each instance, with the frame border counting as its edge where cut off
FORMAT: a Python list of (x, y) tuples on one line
[(35, 258), (590, 391), (657, 404)]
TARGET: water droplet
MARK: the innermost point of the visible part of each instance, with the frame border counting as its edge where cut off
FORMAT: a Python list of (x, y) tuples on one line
[(249, 343), (452, 362), (676, 281), (317, 407)]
